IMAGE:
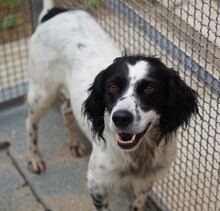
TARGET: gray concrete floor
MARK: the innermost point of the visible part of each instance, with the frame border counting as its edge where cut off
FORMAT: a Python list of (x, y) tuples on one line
[(63, 186)]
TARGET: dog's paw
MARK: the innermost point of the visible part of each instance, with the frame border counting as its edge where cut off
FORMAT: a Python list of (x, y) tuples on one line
[(36, 165), (78, 149)]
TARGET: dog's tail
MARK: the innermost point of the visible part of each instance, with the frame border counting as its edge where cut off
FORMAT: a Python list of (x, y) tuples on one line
[(47, 5)]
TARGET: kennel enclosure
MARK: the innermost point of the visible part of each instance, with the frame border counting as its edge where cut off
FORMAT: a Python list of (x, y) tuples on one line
[(186, 36)]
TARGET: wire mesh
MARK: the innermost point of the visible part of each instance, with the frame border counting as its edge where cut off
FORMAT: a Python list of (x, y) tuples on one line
[(15, 27), (185, 34)]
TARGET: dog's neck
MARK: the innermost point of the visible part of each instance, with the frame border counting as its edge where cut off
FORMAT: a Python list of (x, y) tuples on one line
[(151, 156)]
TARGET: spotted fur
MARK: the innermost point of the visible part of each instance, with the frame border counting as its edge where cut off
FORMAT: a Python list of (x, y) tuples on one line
[(117, 101)]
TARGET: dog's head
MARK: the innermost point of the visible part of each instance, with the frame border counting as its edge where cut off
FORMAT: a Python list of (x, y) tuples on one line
[(135, 94)]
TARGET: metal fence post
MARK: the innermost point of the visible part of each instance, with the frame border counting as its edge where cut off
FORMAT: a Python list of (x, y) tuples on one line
[(35, 7)]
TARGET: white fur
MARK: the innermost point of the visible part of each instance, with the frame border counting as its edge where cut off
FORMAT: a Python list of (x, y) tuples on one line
[(56, 61)]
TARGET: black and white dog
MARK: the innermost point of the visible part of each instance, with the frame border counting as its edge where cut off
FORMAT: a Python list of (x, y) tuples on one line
[(134, 104)]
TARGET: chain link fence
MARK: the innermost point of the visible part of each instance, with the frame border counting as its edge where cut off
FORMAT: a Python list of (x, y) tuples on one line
[(15, 28), (185, 34)]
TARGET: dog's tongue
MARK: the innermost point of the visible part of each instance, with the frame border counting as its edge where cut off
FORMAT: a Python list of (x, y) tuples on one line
[(125, 136)]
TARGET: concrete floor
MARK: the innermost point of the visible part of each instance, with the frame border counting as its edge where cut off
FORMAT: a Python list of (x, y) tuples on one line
[(63, 186)]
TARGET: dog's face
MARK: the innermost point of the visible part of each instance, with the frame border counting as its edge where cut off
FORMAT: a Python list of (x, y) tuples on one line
[(137, 93), (133, 98)]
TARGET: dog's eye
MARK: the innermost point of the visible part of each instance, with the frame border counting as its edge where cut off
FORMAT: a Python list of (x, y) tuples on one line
[(112, 88), (150, 89)]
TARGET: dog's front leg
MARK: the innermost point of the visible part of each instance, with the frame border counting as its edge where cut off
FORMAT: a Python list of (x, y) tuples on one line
[(98, 194), (140, 197)]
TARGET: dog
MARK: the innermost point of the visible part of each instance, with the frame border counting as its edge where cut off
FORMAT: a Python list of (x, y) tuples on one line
[(129, 106)]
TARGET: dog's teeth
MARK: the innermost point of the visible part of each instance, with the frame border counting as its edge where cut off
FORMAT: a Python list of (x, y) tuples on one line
[(126, 142)]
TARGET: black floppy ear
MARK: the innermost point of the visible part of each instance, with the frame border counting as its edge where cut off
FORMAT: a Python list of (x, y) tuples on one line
[(93, 107), (181, 105)]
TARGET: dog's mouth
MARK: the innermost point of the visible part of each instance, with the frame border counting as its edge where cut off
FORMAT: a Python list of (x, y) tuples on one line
[(129, 141)]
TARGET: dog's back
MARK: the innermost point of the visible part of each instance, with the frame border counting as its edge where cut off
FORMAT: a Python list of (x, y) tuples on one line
[(67, 51), (72, 37), (66, 46)]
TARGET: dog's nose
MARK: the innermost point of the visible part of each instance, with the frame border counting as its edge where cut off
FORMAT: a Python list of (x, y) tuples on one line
[(122, 118)]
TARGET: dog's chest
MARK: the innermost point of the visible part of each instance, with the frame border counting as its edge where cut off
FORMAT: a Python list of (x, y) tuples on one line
[(141, 167)]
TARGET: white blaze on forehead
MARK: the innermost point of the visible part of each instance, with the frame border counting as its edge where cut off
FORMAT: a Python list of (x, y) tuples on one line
[(130, 103), (138, 71), (135, 73)]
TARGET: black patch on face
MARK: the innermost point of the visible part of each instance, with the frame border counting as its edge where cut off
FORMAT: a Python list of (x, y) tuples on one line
[(179, 100), (111, 99), (153, 100), (173, 99), (100, 98)]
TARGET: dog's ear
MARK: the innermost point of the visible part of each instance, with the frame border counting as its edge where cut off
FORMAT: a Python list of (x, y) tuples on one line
[(93, 107), (180, 105)]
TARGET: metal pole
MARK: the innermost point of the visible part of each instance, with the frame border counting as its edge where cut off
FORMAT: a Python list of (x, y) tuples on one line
[(35, 8)]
